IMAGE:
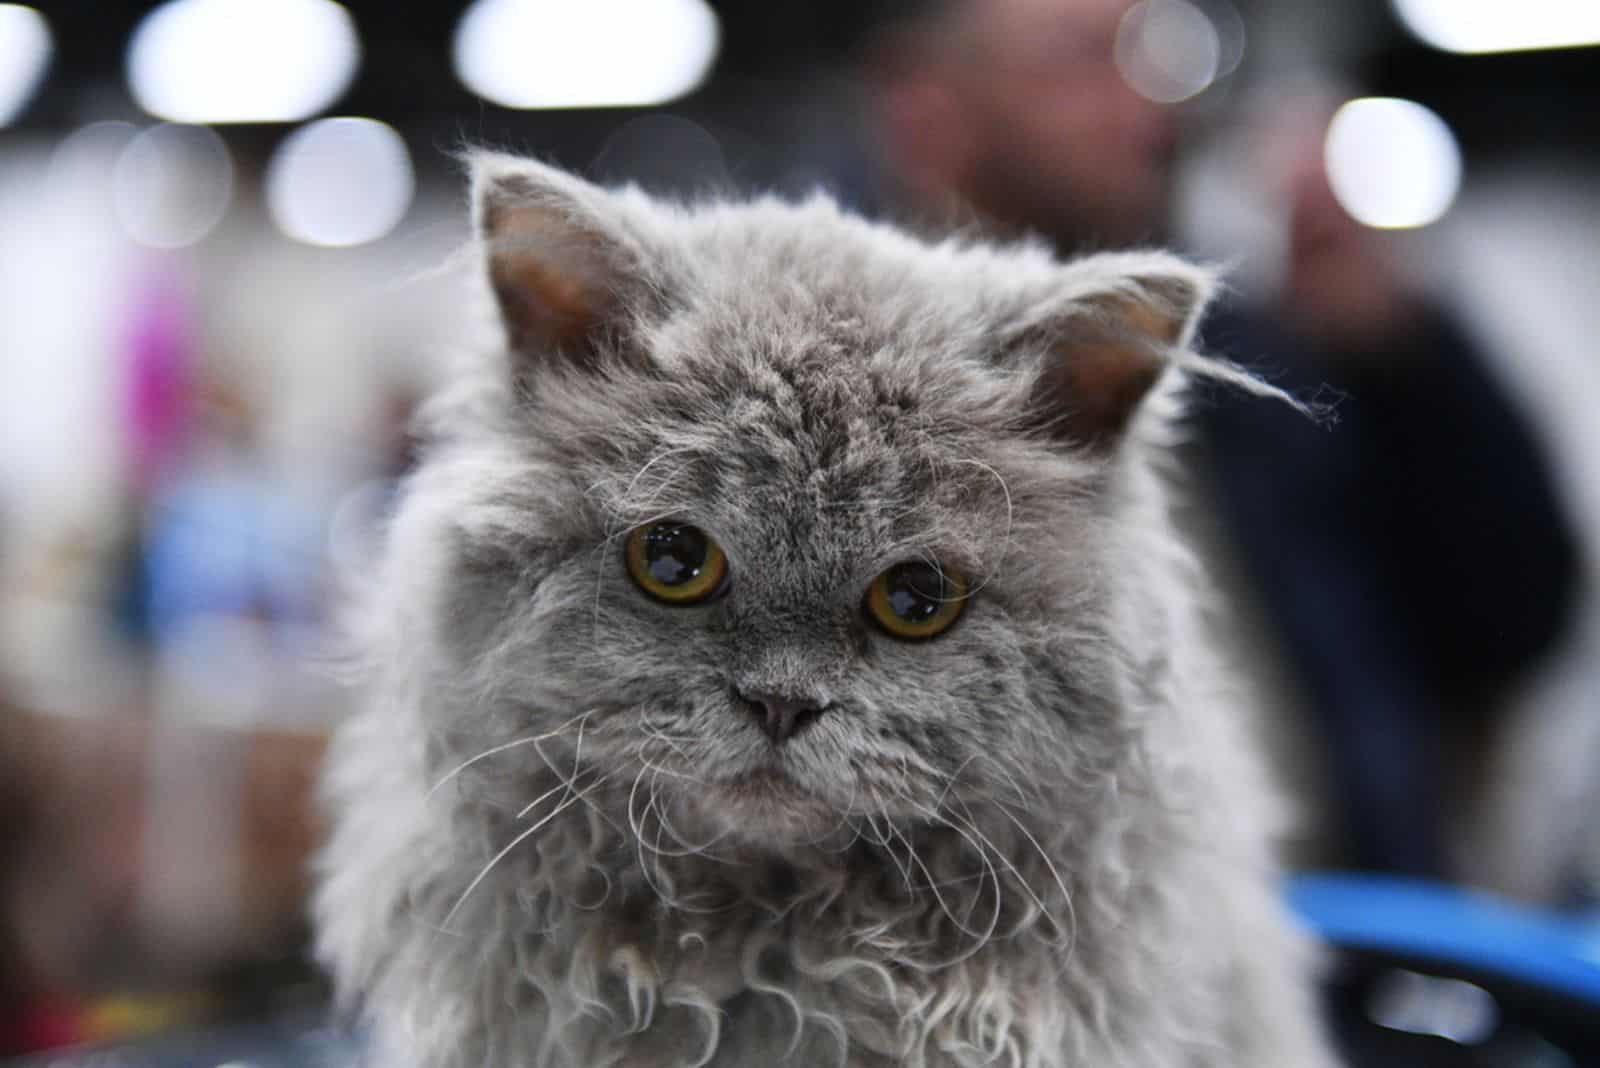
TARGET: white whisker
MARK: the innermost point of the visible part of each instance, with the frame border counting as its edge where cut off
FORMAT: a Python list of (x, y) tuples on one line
[(514, 743), (498, 857)]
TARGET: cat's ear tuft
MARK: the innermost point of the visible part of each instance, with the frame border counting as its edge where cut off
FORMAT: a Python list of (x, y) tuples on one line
[(1108, 346), (561, 264)]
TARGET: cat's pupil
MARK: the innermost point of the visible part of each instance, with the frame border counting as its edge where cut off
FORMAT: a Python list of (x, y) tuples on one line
[(915, 591), (674, 553)]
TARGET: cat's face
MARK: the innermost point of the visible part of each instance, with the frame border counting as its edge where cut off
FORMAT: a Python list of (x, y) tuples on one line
[(791, 519)]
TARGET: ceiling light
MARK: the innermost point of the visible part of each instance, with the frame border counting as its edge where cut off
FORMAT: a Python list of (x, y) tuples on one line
[(25, 49), (172, 184), (1392, 163), (597, 53), (1498, 26), (340, 182), (242, 60), (1168, 50)]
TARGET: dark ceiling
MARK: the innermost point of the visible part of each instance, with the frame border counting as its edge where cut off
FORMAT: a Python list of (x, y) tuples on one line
[(1500, 106)]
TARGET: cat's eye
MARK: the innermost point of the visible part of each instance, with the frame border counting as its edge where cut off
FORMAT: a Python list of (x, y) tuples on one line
[(675, 562), (916, 600)]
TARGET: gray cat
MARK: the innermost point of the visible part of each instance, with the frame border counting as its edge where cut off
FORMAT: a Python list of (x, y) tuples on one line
[(784, 656)]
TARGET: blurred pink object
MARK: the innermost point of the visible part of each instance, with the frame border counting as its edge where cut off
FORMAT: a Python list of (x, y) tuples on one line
[(159, 343)]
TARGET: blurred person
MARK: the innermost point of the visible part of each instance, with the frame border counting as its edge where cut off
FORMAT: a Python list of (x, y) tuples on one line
[(1414, 559), (1015, 111)]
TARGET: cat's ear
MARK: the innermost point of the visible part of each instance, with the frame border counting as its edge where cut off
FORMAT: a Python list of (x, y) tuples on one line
[(563, 266), (1108, 340)]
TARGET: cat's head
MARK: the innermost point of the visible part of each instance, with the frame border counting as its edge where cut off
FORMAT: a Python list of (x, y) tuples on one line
[(794, 518)]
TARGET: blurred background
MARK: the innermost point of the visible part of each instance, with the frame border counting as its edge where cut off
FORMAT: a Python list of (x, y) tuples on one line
[(232, 262)]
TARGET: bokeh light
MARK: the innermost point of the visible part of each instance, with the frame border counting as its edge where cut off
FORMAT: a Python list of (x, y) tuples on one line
[(172, 184), (1495, 26), (663, 153), (1392, 163), (218, 61), (25, 49), (1168, 50), (599, 53), (343, 181), (1451, 1009)]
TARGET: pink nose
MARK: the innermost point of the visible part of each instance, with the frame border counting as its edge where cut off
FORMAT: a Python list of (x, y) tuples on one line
[(781, 717)]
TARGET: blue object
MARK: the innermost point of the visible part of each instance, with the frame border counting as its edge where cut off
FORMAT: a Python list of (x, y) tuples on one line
[(1452, 926)]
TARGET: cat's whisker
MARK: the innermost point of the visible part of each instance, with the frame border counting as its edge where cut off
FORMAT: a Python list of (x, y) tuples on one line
[(541, 799), (648, 867), (950, 781), (577, 754), (570, 780), (665, 739), (987, 845), (684, 776), (981, 845), (657, 458), (605, 551), (664, 886), (990, 876), (662, 491), (1005, 540), (996, 772), (887, 838), (485, 755), (559, 772), (664, 826), (533, 740), (494, 862), (1055, 874), (655, 806), (979, 939), (843, 820)]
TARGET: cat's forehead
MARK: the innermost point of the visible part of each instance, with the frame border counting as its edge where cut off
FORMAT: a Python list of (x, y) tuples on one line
[(801, 462), (811, 269), (814, 364), (803, 410), (805, 437)]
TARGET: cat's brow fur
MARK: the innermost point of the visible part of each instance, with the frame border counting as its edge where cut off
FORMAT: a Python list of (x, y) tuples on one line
[(1038, 840)]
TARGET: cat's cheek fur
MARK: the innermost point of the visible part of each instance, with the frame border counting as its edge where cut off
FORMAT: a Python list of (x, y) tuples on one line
[(1039, 841)]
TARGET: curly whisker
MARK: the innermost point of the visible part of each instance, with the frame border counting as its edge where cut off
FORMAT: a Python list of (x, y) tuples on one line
[(494, 862), (533, 740)]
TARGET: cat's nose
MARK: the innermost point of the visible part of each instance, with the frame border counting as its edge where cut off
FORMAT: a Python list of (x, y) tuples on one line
[(781, 717)]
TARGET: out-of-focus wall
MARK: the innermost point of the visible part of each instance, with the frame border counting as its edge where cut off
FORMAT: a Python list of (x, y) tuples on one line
[(165, 762), (1520, 259)]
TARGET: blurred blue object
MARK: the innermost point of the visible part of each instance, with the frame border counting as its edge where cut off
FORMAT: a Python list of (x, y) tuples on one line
[(1456, 927), (1432, 976)]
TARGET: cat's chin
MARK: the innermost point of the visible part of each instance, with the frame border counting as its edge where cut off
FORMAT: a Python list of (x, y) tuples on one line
[(766, 803)]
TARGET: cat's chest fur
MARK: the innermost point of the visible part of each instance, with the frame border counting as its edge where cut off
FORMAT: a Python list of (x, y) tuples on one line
[(635, 949)]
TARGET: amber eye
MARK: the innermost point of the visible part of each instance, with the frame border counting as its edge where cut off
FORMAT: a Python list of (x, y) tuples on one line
[(916, 600), (675, 562)]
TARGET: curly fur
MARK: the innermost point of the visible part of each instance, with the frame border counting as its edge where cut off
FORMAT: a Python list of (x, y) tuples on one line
[(1038, 840)]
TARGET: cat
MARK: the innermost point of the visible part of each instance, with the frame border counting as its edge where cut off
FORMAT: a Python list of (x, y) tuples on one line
[(783, 655)]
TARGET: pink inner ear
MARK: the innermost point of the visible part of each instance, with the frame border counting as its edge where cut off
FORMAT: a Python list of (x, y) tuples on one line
[(1091, 386), (554, 281), (543, 307), (1142, 318), (1109, 359)]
